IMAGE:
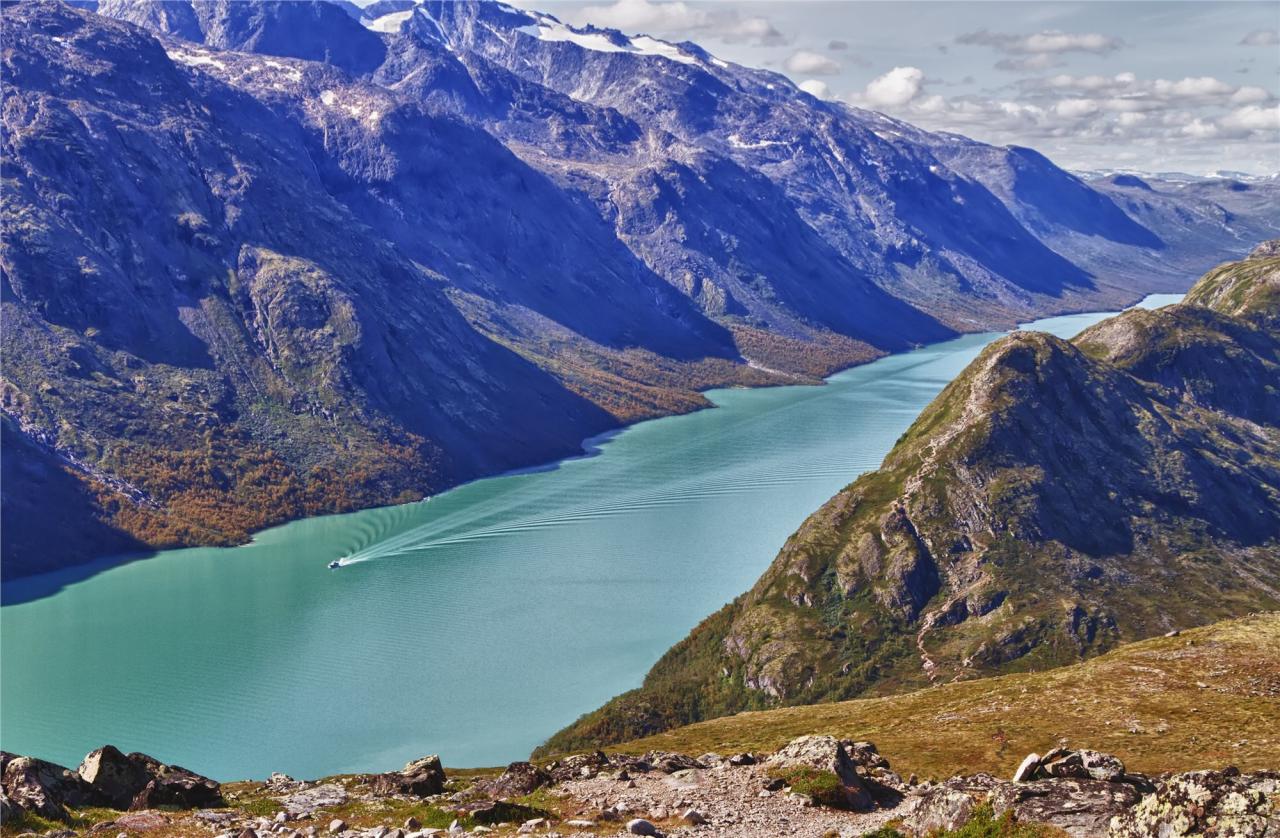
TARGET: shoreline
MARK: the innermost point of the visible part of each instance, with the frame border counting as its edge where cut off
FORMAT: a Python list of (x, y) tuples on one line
[(52, 582)]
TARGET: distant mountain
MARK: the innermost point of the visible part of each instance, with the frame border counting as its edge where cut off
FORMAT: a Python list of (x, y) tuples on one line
[(1059, 497), (266, 259)]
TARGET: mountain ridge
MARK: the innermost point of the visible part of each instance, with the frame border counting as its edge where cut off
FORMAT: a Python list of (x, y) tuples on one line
[(251, 279), (1057, 498)]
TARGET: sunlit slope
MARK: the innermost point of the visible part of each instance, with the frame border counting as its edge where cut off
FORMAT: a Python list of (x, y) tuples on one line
[(1207, 697), (1056, 499)]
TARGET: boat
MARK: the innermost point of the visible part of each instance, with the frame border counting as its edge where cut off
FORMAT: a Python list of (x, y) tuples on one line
[(335, 564)]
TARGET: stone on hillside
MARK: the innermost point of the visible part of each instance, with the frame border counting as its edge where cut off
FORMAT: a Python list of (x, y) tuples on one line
[(420, 778), (308, 800), (946, 806), (1027, 768), (1082, 808), (519, 779), (578, 766), (825, 753), (693, 817), (411, 824), (117, 776), (864, 754), (1220, 803), (337, 825), (176, 786), (44, 788), (138, 781), (640, 826), (742, 759), (669, 763), (1081, 765)]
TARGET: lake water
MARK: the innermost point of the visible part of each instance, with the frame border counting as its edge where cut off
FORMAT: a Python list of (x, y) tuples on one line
[(473, 625)]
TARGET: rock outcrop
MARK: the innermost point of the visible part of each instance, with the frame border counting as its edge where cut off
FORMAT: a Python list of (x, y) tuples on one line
[(1079, 793), (420, 778), (1220, 804), (107, 778)]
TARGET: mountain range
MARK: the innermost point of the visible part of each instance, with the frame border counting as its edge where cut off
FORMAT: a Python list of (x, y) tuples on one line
[(1058, 498), (269, 259)]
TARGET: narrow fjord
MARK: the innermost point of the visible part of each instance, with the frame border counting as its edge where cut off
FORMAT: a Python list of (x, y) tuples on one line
[(474, 624)]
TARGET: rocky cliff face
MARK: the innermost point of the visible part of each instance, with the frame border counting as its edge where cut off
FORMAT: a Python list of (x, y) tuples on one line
[(266, 259), (1057, 498)]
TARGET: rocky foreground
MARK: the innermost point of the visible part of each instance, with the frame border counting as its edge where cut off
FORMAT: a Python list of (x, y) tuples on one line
[(815, 785)]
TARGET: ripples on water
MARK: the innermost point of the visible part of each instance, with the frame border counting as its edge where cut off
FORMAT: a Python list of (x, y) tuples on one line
[(474, 624)]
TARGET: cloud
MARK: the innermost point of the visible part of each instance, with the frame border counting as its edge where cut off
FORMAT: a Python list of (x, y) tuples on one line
[(1261, 38), (895, 88), (837, 45), (1254, 118), (675, 17), (753, 30), (816, 88), (1050, 42), (1029, 63), (633, 15), (1041, 50), (805, 62)]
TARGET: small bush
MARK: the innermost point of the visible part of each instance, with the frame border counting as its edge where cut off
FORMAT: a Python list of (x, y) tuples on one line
[(823, 787)]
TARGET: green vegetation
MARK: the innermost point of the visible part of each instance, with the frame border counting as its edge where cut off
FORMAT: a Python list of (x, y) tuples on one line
[(823, 787), (1056, 500), (983, 824), (1206, 697)]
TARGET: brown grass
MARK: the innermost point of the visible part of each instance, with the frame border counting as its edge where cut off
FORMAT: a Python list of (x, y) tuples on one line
[(1208, 697)]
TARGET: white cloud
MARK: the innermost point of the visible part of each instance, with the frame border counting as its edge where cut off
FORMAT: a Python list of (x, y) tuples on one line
[(1200, 129), (1261, 38), (1254, 118), (895, 88), (635, 15), (805, 62), (675, 17), (816, 88), (1049, 42)]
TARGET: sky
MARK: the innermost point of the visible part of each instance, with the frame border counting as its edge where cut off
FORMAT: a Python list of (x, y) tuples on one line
[(1151, 85)]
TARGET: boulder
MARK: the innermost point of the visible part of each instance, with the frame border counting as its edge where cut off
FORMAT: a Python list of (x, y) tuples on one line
[(743, 759), (1082, 808), (308, 800), (945, 806), (864, 754), (420, 778), (175, 786), (1027, 768), (1081, 765), (44, 788), (669, 763), (640, 826), (118, 777), (138, 781), (578, 766), (519, 779), (825, 753), (1216, 803)]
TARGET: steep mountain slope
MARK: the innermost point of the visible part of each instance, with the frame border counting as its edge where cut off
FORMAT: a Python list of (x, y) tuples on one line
[(279, 258), (1055, 499)]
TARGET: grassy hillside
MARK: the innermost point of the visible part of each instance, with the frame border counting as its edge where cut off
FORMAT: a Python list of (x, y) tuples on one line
[(1058, 498), (1207, 697)]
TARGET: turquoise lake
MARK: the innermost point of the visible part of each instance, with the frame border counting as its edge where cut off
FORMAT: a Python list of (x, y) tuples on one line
[(473, 625)]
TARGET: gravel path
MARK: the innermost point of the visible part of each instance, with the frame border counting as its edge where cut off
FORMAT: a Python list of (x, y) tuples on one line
[(731, 798)]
